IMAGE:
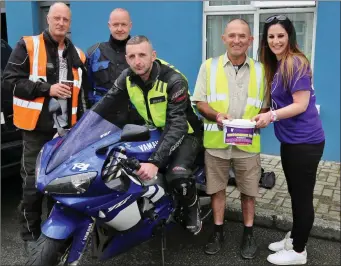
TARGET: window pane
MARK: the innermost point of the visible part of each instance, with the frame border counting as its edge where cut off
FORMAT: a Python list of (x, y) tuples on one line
[(215, 28), (229, 3), (303, 23)]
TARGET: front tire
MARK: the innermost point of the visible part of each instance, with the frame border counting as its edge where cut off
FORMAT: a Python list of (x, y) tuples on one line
[(47, 251)]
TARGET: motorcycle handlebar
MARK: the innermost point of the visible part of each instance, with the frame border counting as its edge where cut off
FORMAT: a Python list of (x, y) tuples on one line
[(134, 164)]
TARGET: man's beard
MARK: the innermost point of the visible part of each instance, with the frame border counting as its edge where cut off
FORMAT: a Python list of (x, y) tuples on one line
[(145, 72)]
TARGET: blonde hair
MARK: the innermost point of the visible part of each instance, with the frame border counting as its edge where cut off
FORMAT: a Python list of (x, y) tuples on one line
[(291, 61)]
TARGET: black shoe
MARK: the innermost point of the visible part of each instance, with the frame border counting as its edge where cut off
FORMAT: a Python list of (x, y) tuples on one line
[(214, 243), (193, 222), (28, 246), (249, 247)]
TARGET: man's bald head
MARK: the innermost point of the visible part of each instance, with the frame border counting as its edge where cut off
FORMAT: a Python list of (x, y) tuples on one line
[(237, 21), (237, 38), (119, 24), (59, 20), (119, 11), (58, 6)]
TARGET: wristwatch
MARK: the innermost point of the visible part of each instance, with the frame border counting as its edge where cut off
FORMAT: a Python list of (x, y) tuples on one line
[(273, 116)]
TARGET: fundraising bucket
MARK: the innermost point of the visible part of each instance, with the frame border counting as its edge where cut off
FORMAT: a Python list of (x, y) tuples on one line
[(238, 131)]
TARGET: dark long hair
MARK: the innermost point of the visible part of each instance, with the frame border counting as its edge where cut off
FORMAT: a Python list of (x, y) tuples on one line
[(293, 55)]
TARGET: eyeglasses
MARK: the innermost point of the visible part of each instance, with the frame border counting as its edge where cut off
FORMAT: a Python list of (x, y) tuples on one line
[(279, 17)]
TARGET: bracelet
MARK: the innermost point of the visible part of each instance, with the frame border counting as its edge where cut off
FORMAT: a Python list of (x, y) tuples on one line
[(216, 117), (273, 116)]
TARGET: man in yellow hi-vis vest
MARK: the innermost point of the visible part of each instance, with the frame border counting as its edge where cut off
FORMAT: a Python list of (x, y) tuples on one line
[(160, 95), (40, 68), (231, 86)]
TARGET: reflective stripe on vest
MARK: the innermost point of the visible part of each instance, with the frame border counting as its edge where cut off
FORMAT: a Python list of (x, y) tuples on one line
[(158, 107), (26, 112), (77, 83), (157, 110), (218, 99)]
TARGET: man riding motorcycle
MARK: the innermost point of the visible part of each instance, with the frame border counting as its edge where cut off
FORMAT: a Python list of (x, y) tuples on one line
[(160, 95)]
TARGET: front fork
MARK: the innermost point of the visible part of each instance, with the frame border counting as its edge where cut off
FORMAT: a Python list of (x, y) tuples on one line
[(64, 223)]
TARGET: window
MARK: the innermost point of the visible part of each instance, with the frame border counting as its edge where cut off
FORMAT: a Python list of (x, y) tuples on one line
[(43, 11), (215, 28), (303, 23), (229, 3), (218, 13)]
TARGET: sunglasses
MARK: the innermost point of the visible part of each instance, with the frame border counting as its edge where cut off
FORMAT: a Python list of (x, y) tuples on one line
[(279, 17)]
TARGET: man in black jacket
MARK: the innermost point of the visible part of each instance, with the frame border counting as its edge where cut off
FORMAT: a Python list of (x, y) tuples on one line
[(34, 74), (106, 60), (160, 95)]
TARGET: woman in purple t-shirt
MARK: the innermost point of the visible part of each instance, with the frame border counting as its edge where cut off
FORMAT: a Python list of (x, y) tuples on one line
[(298, 128)]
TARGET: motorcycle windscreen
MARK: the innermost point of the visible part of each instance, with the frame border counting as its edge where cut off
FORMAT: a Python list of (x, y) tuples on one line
[(89, 129)]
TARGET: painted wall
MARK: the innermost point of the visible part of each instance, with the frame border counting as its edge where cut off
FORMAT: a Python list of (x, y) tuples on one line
[(327, 74), (21, 23), (175, 35), (175, 29)]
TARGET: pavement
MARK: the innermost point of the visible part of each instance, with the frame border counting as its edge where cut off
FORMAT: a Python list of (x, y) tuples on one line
[(182, 247), (273, 208)]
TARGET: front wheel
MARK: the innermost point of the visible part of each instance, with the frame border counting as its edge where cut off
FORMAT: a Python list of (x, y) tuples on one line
[(48, 251)]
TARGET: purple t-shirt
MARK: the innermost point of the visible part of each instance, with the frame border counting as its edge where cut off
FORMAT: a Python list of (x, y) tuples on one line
[(305, 128)]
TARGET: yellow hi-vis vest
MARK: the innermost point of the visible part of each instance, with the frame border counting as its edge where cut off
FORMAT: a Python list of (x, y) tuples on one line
[(156, 100), (26, 112), (218, 99)]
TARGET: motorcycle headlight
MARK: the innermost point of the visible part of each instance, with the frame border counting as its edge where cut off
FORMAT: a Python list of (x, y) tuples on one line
[(72, 184)]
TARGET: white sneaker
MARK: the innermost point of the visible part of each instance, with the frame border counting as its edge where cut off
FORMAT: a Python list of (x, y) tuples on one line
[(288, 257), (285, 243)]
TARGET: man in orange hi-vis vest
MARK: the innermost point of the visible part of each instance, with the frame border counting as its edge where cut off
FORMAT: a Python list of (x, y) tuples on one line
[(41, 68)]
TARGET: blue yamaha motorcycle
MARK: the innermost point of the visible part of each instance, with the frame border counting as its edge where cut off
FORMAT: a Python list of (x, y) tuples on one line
[(90, 172)]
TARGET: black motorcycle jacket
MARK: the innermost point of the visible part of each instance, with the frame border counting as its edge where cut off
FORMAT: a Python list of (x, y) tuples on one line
[(106, 61), (178, 111)]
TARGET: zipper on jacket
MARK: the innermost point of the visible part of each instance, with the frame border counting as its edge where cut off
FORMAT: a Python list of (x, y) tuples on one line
[(145, 96)]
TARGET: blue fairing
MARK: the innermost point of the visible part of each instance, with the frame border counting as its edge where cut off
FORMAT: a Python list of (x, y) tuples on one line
[(94, 146), (63, 222), (142, 150), (96, 127), (61, 155)]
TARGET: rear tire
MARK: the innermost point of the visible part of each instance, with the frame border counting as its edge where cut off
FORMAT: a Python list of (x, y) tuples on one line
[(47, 251)]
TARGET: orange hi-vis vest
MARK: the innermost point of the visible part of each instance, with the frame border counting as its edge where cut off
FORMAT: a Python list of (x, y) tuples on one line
[(26, 112)]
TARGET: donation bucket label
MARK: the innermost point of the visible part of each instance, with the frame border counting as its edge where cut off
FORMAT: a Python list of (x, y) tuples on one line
[(238, 136)]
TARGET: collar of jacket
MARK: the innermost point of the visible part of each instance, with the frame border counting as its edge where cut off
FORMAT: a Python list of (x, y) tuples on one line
[(117, 44), (69, 50), (154, 75), (50, 41)]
